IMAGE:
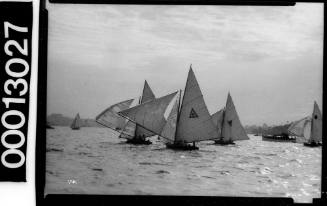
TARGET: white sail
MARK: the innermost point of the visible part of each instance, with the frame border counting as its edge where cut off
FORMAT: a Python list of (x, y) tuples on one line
[(194, 122), (316, 124), (110, 118), (150, 115), (301, 128), (147, 95), (232, 128), (169, 130), (76, 122), (217, 119)]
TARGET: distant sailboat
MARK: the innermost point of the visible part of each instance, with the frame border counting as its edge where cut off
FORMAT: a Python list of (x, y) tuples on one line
[(228, 124), (309, 129), (316, 128), (301, 129), (188, 119), (76, 123)]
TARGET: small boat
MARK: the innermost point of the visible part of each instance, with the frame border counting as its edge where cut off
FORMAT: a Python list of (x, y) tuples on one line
[(128, 129), (188, 119), (228, 124), (279, 138), (76, 123), (315, 139), (309, 129)]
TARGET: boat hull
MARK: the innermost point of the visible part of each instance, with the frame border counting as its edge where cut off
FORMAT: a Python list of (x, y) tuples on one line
[(75, 128), (277, 138), (312, 144), (221, 142), (184, 147), (138, 141)]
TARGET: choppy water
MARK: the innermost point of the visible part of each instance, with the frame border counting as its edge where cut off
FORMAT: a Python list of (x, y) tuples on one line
[(95, 161)]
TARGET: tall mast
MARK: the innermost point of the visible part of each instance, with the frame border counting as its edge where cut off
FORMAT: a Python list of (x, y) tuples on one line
[(178, 111)]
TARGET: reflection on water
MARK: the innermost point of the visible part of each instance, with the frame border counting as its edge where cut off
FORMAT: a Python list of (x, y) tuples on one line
[(96, 161)]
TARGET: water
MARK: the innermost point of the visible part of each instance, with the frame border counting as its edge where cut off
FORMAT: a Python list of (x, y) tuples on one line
[(96, 161)]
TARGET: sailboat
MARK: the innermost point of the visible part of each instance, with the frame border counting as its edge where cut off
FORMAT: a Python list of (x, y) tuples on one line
[(188, 119), (76, 123), (301, 129), (128, 129), (228, 124), (149, 115), (140, 133), (316, 128), (309, 129)]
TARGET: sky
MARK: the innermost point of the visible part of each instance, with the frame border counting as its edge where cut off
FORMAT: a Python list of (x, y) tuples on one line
[(269, 58)]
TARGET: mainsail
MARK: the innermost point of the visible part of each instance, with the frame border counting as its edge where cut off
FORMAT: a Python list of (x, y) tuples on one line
[(147, 95), (76, 122), (149, 114), (316, 124), (169, 130), (301, 128), (110, 118), (232, 128), (217, 119), (194, 121)]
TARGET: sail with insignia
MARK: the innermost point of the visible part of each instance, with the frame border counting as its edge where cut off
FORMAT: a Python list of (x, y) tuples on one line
[(194, 121), (316, 125), (149, 115), (76, 122), (232, 128)]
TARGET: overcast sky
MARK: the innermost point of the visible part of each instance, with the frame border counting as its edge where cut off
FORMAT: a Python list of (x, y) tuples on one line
[(269, 58)]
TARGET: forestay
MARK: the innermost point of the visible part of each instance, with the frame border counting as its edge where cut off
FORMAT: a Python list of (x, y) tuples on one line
[(232, 128), (194, 123), (150, 115)]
